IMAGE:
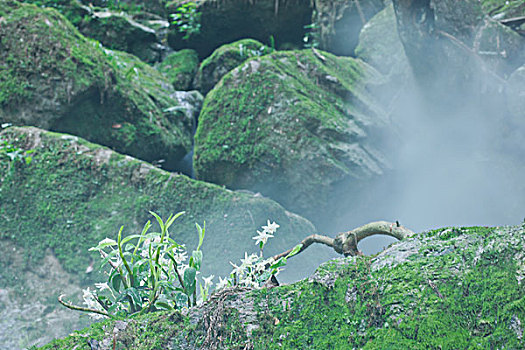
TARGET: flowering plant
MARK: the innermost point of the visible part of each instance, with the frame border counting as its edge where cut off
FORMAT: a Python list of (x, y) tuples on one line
[(147, 273), (254, 269)]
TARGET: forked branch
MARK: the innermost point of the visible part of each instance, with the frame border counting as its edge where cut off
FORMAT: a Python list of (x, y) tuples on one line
[(346, 242)]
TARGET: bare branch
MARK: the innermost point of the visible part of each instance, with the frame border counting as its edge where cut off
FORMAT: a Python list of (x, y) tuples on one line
[(80, 308), (346, 242)]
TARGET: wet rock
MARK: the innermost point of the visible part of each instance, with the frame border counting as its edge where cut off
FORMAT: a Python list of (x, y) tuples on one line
[(338, 23)]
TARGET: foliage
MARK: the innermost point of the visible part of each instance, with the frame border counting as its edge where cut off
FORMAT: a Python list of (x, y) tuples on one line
[(187, 19), (12, 153), (311, 36), (147, 272)]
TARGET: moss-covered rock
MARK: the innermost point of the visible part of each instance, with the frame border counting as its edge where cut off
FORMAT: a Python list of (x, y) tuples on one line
[(445, 289), (180, 68), (74, 194), (53, 77), (224, 59), (336, 24), (293, 125), (224, 21), (77, 193), (118, 31)]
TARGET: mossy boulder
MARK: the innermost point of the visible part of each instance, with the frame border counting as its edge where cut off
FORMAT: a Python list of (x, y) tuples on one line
[(444, 289), (293, 125), (54, 78), (180, 68), (224, 59), (74, 194), (224, 21), (118, 31), (337, 23)]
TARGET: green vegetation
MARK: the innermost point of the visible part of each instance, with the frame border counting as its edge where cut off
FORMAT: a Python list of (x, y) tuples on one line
[(289, 125), (180, 67), (445, 291), (186, 19), (105, 189), (126, 100)]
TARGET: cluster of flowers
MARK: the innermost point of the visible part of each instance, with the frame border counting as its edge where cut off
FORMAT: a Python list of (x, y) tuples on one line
[(156, 256), (252, 272)]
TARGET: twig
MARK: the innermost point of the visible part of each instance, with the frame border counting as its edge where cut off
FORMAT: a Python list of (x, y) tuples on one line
[(80, 308)]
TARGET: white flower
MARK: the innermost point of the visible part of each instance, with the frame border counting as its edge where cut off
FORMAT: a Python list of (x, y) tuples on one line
[(223, 283), (102, 286), (107, 241), (237, 270), (208, 281), (248, 260), (271, 227), (180, 257), (262, 237), (91, 302)]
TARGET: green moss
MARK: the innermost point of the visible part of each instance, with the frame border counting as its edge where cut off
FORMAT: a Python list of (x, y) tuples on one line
[(226, 58), (74, 194), (180, 68), (289, 125), (512, 8), (52, 76), (466, 297)]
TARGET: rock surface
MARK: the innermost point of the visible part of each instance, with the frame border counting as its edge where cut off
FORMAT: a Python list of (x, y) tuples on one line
[(294, 126), (338, 23), (74, 194), (224, 59), (180, 68), (54, 78), (453, 47), (447, 288)]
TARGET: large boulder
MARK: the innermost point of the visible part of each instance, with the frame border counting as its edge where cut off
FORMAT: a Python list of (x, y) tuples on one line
[(455, 288), (337, 23), (224, 59), (293, 125), (54, 78), (180, 68), (380, 46), (223, 21), (454, 48), (74, 194), (119, 31)]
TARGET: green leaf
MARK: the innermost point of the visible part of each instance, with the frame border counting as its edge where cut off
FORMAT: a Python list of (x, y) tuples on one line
[(200, 232), (196, 259), (189, 280), (115, 280), (171, 219), (295, 250), (135, 297)]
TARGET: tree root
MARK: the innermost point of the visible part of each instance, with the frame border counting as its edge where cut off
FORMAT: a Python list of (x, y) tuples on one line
[(346, 242)]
